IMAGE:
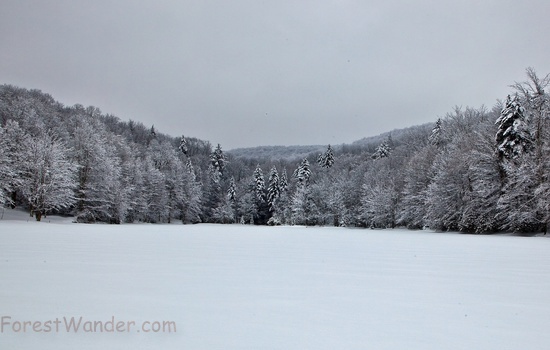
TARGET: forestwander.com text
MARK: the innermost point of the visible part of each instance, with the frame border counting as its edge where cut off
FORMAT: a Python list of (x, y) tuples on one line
[(81, 325)]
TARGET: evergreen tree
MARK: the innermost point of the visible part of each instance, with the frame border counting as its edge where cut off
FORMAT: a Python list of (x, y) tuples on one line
[(273, 190), (383, 150), (435, 137), (326, 160), (152, 135), (212, 192), (512, 137), (183, 145), (283, 182), (303, 173), (260, 184), (262, 208), (232, 190), (217, 159)]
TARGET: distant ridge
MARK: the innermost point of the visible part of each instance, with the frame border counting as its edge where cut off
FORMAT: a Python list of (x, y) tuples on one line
[(297, 152), (276, 152)]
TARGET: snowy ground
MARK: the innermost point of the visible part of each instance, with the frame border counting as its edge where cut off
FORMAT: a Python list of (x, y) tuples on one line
[(244, 287)]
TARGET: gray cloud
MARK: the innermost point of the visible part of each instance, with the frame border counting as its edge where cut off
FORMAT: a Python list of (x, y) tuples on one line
[(244, 73)]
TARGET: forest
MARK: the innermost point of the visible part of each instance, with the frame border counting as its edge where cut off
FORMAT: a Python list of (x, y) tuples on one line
[(478, 170)]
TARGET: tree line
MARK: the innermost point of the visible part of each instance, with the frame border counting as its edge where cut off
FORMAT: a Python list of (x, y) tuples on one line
[(474, 170)]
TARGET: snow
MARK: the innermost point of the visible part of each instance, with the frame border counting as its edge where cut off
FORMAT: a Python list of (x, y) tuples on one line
[(249, 287)]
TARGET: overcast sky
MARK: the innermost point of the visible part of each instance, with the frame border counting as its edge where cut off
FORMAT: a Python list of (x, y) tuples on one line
[(248, 73)]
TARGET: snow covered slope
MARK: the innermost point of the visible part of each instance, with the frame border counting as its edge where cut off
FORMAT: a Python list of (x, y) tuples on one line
[(244, 287)]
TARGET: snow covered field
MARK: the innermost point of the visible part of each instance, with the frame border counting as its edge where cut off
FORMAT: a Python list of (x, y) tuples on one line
[(244, 287)]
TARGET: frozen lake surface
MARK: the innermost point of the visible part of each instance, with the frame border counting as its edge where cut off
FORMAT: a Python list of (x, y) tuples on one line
[(245, 287)]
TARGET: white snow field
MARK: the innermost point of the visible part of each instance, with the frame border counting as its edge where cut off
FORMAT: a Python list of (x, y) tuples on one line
[(244, 287)]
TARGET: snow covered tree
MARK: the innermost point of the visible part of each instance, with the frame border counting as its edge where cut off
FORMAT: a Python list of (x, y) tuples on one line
[(517, 205), (417, 177), (225, 213), (304, 211), (480, 210), (232, 190), (262, 208), (383, 150), (49, 180), (512, 137), (152, 135), (335, 198), (435, 136), (283, 182), (133, 182), (447, 190), (217, 159), (191, 210), (183, 145), (155, 193), (273, 190), (7, 171), (379, 204), (247, 206), (280, 207), (13, 158), (260, 184), (213, 194), (99, 173), (326, 160), (524, 201), (303, 173), (177, 179), (303, 207)]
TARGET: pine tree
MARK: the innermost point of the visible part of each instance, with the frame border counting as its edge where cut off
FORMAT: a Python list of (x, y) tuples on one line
[(262, 208), (273, 190), (183, 145), (213, 194), (383, 150), (435, 137), (303, 173), (512, 137), (232, 190), (326, 160), (283, 182), (217, 159), (259, 184), (152, 135)]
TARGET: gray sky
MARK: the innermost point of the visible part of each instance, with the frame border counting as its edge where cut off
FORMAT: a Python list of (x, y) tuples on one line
[(249, 73)]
